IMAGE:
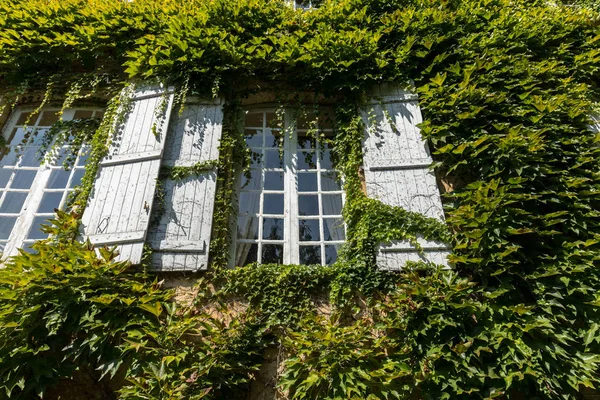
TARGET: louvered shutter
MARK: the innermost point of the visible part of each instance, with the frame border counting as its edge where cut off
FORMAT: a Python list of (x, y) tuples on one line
[(118, 211), (181, 228), (396, 164)]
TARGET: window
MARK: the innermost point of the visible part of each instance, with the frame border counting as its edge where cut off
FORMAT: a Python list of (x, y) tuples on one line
[(290, 205), (30, 189)]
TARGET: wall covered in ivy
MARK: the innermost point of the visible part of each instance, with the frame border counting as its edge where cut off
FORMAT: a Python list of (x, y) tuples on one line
[(507, 89)]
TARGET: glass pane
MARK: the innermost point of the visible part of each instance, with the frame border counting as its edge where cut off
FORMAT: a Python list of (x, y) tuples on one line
[(308, 204), (307, 182), (273, 121), (330, 182), (83, 114), (58, 179), (273, 159), (253, 137), (306, 142), (246, 253), (18, 136), (35, 232), (23, 179), (6, 226), (273, 180), (331, 253), (326, 121), (247, 228), (272, 254), (31, 157), (273, 139), (37, 137), (254, 119), (309, 230), (310, 255), (77, 177), (332, 204), (252, 183), (24, 116), (48, 118), (27, 246), (50, 201), (273, 203), (326, 162), (5, 174), (249, 203), (8, 158), (83, 157), (13, 202), (333, 229), (306, 120), (256, 159), (273, 228), (307, 160)]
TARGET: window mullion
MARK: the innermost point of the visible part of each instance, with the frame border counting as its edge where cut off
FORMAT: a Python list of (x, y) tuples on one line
[(291, 191)]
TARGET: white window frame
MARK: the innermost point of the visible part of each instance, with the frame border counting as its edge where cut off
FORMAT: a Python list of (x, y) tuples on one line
[(18, 237), (291, 216)]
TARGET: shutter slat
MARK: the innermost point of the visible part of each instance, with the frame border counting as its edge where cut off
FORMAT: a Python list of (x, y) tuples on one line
[(396, 164), (180, 236), (118, 211)]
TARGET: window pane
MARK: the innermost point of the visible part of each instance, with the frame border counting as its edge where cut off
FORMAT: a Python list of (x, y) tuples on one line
[(306, 142), (83, 114), (31, 157), (48, 118), (306, 120), (9, 158), (252, 183), (37, 137), (273, 139), (332, 204), (256, 159), (249, 203), (273, 159), (308, 204), (6, 226), (5, 174), (254, 119), (83, 157), (58, 179), (253, 137), (333, 229), (77, 177), (273, 180), (273, 203), (50, 201), (35, 232), (27, 247), (330, 181), (273, 228), (331, 253), (13, 202), (309, 230), (247, 228), (307, 160), (246, 253), (326, 162), (307, 182), (310, 255), (24, 116), (23, 179), (272, 254)]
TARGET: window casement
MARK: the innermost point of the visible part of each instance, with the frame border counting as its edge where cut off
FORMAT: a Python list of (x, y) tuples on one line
[(32, 183), (290, 202)]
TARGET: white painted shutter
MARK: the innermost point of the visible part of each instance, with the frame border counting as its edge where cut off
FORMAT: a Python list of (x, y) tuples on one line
[(118, 211), (180, 232), (396, 162)]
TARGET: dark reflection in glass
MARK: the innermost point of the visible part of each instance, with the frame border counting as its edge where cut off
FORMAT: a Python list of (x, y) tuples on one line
[(309, 230), (254, 119), (307, 182), (247, 228), (77, 177), (332, 204), (273, 139), (273, 159), (248, 253), (253, 137), (272, 254), (308, 204), (23, 179), (310, 255), (249, 202), (36, 230), (256, 159), (307, 160), (37, 137), (59, 178), (306, 142), (13, 202), (331, 253), (83, 114), (273, 228), (48, 118), (252, 183), (6, 226), (326, 162), (273, 203), (273, 180), (333, 229), (25, 116), (50, 201), (5, 174), (330, 181)]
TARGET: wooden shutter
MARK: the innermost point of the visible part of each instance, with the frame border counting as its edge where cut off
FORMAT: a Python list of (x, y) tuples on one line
[(118, 211), (181, 228), (396, 163)]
